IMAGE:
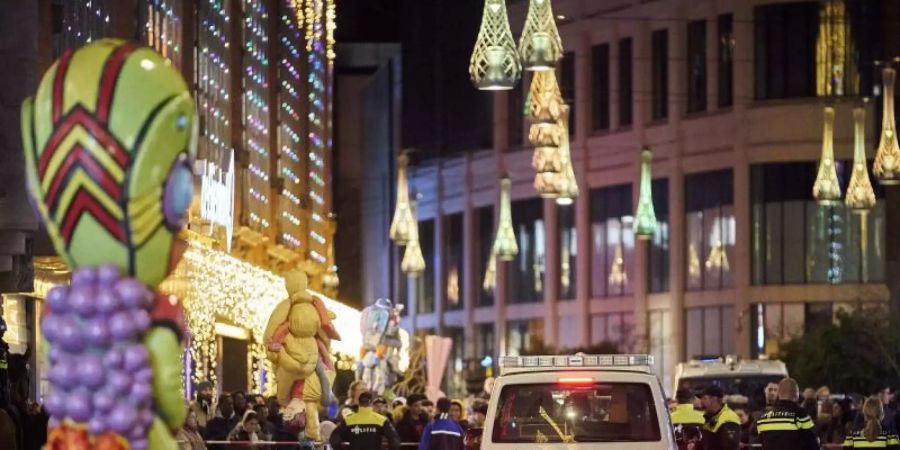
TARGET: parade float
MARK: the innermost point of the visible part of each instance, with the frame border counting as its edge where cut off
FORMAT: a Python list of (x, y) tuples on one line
[(379, 357), (108, 140)]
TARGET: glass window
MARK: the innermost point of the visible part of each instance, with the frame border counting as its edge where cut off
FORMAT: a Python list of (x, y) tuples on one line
[(453, 267), (485, 242), (425, 282), (659, 74), (484, 341), (785, 50), (526, 272), (625, 82), (568, 251), (590, 412), (516, 102), (567, 85), (696, 66), (659, 246), (659, 325), (710, 230), (725, 61), (612, 258), (600, 82), (796, 241), (523, 335), (613, 328), (817, 315), (709, 331), (454, 374)]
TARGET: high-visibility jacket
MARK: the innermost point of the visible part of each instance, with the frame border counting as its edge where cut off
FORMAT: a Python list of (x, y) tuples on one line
[(364, 430), (722, 430), (887, 440), (688, 423), (787, 426)]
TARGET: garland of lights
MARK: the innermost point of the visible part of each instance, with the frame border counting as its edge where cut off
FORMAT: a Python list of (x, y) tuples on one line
[(256, 109), (290, 144), (84, 22), (163, 29), (213, 83), (317, 34)]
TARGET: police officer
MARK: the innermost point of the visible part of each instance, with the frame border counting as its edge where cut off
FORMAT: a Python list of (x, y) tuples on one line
[(787, 426), (722, 429), (364, 429), (688, 421)]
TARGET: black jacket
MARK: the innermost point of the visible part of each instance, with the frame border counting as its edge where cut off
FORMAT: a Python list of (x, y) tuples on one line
[(722, 430), (787, 427), (218, 428), (364, 430), (410, 429)]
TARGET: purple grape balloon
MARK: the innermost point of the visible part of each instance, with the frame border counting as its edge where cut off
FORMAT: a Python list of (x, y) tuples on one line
[(78, 406), (85, 276), (81, 299), (57, 299), (136, 358), (121, 326), (100, 370), (122, 419), (107, 302), (96, 332), (108, 275), (132, 293)]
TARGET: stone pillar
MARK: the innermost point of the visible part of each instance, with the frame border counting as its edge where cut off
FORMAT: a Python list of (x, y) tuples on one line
[(743, 92), (551, 273), (440, 288), (501, 145), (470, 285), (582, 203)]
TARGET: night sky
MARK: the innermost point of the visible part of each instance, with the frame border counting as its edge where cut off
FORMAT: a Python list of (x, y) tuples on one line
[(443, 114)]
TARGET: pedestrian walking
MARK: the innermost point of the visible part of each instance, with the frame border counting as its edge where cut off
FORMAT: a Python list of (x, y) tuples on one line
[(688, 422), (443, 433), (788, 425), (873, 435), (722, 429), (364, 429)]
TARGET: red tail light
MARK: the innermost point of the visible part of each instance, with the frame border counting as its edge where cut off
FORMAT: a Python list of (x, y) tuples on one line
[(575, 380)]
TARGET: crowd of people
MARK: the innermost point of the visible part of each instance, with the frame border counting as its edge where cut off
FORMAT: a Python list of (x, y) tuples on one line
[(790, 420), (366, 421)]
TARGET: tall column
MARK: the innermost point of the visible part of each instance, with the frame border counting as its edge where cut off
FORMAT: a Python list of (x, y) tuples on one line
[(471, 276), (677, 257), (501, 144), (438, 263), (551, 273), (582, 205), (236, 71), (276, 180), (743, 91)]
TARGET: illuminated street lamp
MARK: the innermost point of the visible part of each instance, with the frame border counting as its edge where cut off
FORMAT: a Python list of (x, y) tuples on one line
[(645, 218), (494, 64)]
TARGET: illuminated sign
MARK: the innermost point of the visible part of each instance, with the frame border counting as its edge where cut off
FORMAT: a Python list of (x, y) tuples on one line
[(217, 197)]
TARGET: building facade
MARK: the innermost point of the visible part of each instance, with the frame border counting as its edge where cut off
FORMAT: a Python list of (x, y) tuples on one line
[(261, 72), (729, 96)]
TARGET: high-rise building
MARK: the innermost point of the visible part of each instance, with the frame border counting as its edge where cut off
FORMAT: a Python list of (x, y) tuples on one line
[(730, 100)]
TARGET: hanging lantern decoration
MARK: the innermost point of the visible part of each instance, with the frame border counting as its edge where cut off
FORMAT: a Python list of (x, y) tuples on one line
[(545, 106), (505, 246), (540, 46), (645, 217), (490, 274), (413, 263), (826, 189), (860, 195), (495, 64), (887, 158), (403, 223), (567, 185)]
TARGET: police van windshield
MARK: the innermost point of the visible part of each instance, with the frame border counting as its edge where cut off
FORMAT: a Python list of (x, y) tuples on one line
[(576, 412), (752, 387)]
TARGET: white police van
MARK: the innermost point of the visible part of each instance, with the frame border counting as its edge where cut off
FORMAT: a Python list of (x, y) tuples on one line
[(743, 380), (577, 402)]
